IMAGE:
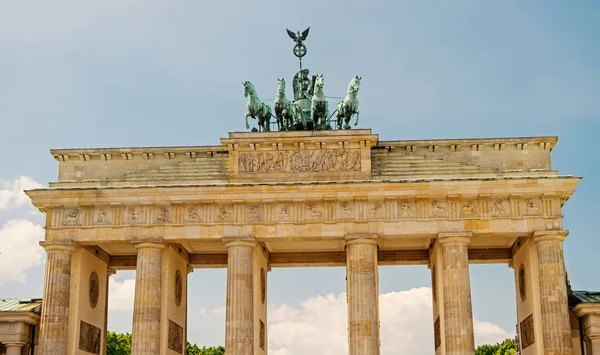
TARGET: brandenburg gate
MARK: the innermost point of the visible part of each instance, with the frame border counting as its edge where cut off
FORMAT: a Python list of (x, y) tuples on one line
[(302, 198)]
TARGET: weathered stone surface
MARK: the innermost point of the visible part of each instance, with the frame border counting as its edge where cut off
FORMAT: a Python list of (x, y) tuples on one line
[(54, 330), (300, 195), (458, 314), (239, 319), (145, 337), (556, 328), (90, 338), (363, 295)]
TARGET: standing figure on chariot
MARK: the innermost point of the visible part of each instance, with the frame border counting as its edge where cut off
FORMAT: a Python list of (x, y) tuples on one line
[(303, 86)]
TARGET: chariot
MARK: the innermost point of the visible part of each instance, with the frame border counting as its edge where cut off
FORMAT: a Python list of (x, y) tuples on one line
[(309, 109)]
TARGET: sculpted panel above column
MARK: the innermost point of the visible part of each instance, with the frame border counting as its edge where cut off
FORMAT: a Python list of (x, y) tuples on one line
[(301, 161), (423, 208)]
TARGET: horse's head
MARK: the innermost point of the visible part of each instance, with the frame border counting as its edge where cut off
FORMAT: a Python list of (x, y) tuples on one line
[(281, 85), (319, 82), (354, 85), (248, 88)]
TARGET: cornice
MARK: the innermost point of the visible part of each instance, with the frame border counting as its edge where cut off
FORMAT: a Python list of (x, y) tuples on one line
[(521, 143), (26, 317)]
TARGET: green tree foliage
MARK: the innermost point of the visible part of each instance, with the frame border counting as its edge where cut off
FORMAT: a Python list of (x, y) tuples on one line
[(508, 347), (213, 350), (120, 344)]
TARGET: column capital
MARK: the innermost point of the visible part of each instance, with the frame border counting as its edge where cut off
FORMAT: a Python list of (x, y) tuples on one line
[(110, 272), (63, 245), (454, 237), (14, 345), (559, 235), (248, 241), (361, 238), (156, 243)]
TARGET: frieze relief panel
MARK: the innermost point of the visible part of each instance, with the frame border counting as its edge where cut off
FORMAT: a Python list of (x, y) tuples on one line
[(500, 208), (134, 215), (314, 211), (300, 161), (163, 215), (193, 214), (300, 211), (103, 216), (73, 217), (224, 213), (408, 209), (376, 210), (345, 210), (469, 209), (533, 207)]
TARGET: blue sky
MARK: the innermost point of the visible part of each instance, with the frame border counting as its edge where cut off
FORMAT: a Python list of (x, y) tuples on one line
[(155, 73)]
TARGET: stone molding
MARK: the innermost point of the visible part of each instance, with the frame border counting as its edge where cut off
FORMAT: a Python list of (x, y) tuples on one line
[(64, 246), (86, 154), (541, 236), (270, 211), (354, 239), (26, 317), (586, 309), (149, 245), (249, 242), (454, 237)]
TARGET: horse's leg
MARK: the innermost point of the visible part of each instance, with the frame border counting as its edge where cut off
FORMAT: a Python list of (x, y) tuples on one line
[(247, 124), (357, 115)]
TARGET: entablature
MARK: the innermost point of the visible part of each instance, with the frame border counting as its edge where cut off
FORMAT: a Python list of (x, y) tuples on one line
[(394, 205)]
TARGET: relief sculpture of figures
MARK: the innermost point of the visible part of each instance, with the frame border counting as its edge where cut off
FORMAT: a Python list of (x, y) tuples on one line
[(304, 161), (256, 108)]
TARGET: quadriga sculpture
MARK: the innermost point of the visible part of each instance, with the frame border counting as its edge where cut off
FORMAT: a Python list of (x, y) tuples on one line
[(319, 110), (256, 108), (284, 110), (347, 108)]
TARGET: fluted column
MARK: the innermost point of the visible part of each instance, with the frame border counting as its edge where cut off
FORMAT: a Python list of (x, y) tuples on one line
[(145, 337), (54, 322), (109, 273), (239, 327), (556, 328), (13, 348), (363, 295), (458, 314), (595, 345)]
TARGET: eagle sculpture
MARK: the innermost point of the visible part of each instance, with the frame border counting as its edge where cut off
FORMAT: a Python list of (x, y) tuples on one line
[(298, 37)]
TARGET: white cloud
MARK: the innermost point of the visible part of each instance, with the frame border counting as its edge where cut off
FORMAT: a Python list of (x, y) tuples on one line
[(319, 325), (19, 249), (11, 193), (121, 294)]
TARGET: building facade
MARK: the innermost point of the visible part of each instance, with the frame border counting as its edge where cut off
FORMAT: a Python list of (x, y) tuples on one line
[(304, 198)]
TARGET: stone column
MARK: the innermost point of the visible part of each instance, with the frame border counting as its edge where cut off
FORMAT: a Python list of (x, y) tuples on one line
[(556, 328), (363, 294), (13, 348), (109, 273), (145, 337), (54, 322), (458, 314), (239, 328)]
